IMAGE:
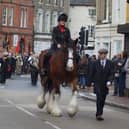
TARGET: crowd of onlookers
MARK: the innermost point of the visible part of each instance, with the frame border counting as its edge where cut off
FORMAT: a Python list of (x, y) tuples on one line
[(12, 64), (120, 72)]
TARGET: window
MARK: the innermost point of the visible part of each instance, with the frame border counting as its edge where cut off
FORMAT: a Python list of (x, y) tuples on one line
[(39, 20), (118, 47), (91, 29), (54, 19), (98, 46), (4, 16), (117, 10), (61, 3), (11, 16), (55, 2), (106, 10), (47, 22), (23, 17), (92, 12), (106, 45), (41, 1), (48, 1)]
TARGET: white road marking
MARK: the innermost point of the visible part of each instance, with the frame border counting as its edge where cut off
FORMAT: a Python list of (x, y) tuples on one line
[(31, 114), (1, 106), (26, 111), (52, 125), (20, 108)]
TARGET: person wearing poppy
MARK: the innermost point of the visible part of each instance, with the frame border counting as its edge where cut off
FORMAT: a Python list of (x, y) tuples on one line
[(60, 35)]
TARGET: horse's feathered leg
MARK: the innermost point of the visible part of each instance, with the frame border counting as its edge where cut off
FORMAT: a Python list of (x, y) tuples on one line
[(73, 106), (41, 99), (56, 111), (50, 102)]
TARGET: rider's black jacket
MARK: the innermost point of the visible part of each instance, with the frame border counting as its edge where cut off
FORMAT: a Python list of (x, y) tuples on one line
[(59, 37)]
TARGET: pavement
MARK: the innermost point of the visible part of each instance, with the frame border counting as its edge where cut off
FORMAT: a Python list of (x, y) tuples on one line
[(115, 101)]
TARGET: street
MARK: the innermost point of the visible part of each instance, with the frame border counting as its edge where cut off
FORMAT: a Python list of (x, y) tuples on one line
[(18, 110)]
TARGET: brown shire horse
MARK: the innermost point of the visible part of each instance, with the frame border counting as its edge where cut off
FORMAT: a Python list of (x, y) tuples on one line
[(63, 68)]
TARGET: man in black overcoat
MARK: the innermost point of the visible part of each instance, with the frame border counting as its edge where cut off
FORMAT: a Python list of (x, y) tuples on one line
[(101, 74)]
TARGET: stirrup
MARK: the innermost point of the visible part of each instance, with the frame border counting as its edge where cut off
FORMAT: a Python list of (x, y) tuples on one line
[(45, 78), (44, 72)]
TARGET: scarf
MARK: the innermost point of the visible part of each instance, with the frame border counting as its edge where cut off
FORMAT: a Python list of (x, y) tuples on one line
[(62, 28)]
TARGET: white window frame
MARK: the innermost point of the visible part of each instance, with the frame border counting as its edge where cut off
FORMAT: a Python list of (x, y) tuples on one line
[(61, 3), (47, 21), (55, 2), (4, 16), (11, 16), (39, 21), (48, 2), (41, 1), (54, 18), (24, 15), (106, 20), (92, 12), (118, 11)]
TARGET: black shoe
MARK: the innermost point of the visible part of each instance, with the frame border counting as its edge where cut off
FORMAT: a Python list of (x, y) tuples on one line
[(99, 118)]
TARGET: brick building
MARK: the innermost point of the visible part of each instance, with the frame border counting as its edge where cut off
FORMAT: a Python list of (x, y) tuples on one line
[(16, 25)]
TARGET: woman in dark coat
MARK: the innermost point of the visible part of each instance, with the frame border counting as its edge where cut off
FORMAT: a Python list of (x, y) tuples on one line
[(60, 35)]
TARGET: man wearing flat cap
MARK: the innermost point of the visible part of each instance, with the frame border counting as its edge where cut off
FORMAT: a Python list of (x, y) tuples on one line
[(101, 74)]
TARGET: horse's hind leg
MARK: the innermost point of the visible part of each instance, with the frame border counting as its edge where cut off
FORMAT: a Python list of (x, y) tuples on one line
[(41, 99), (73, 106)]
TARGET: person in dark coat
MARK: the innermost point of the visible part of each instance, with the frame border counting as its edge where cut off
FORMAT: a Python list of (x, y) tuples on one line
[(102, 75), (33, 61), (3, 68), (60, 35), (83, 72), (117, 69)]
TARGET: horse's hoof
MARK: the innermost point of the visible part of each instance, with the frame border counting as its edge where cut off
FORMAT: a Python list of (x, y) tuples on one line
[(48, 110), (72, 111), (56, 114), (40, 102)]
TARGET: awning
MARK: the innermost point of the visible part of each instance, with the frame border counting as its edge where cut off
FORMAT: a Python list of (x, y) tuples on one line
[(123, 28)]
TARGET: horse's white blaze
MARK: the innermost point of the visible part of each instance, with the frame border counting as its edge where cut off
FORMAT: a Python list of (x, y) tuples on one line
[(73, 106), (56, 111), (70, 65), (50, 103)]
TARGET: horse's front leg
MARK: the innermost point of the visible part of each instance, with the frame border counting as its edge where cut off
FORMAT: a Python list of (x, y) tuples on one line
[(41, 99), (56, 111), (73, 105)]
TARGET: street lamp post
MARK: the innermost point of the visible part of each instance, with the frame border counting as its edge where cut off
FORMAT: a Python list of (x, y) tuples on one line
[(110, 44)]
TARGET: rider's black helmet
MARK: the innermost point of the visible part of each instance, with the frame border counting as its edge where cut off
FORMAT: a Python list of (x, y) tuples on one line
[(63, 17)]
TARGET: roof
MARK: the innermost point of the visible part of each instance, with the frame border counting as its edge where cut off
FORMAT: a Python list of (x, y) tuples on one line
[(83, 2)]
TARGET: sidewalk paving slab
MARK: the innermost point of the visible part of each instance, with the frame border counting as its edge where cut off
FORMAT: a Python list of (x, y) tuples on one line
[(115, 101)]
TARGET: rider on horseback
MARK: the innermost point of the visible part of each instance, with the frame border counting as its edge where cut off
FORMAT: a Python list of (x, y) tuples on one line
[(60, 35)]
